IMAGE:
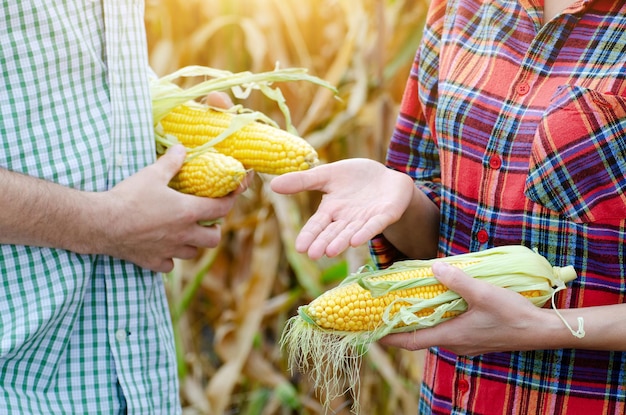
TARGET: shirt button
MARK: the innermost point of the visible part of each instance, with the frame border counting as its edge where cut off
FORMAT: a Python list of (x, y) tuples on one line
[(463, 386), (119, 160), (601, 102), (120, 335), (495, 162), (522, 88), (482, 236)]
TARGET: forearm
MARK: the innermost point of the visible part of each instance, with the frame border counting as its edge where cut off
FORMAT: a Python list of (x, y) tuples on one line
[(604, 327), (141, 219), (416, 233), (41, 213)]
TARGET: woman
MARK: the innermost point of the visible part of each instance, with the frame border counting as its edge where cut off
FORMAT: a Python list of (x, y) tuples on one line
[(512, 130)]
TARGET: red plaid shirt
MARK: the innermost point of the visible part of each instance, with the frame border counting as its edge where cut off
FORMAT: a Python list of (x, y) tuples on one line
[(518, 132)]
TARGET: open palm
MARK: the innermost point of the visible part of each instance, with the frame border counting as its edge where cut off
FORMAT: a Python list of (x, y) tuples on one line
[(361, 198)]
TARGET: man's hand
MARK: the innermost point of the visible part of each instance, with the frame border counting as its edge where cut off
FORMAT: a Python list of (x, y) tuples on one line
[(149, 223), (141, 220)]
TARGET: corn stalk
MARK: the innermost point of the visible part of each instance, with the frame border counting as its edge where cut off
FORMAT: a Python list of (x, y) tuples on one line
[(230, 304)]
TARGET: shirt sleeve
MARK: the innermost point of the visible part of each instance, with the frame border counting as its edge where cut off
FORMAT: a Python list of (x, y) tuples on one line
[(413, 146)]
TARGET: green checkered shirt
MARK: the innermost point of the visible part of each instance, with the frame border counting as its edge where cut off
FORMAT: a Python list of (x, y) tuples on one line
[(78, 333)]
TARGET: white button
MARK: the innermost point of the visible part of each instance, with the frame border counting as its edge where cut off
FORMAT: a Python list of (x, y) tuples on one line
[(119, 160), (120, 335)]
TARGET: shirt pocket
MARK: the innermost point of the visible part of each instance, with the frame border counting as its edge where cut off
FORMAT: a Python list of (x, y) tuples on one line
[(577, 165)]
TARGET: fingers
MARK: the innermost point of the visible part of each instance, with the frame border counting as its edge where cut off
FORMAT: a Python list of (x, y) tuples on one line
[(187, 252), (494, 318), (165, 265), (218, 99), (160, 223), (374, 226), (311, 231), (202, 237), (328, 241), (342, 237), (456, 280), (355, 173), (409, 341), (323, 236)]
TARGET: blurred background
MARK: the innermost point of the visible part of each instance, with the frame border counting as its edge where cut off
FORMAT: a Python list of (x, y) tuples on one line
[(230, 304)]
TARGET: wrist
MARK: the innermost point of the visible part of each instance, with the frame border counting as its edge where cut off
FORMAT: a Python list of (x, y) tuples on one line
[(563, 328), (92, 223), (421, 213)]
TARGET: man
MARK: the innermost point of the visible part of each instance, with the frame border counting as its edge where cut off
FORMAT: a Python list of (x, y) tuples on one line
[(87, 221)]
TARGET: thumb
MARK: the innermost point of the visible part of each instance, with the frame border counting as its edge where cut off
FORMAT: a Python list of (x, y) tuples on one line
[(172, 160), (300, 181), (218, 99), (457, 280), (452, 277)]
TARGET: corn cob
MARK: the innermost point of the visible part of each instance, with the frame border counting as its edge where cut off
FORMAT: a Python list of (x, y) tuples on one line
[(258, 146), (329, 335), (352, 308), (261, 146), (209, 174)]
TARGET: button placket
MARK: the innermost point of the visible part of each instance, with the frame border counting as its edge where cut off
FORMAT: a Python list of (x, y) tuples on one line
[(462, 386)]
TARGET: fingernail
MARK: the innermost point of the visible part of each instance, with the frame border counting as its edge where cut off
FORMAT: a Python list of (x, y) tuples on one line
[(177, 149), (440, 266)]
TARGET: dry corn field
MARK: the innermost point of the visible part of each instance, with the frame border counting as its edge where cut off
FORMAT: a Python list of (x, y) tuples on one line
[(229, 305)]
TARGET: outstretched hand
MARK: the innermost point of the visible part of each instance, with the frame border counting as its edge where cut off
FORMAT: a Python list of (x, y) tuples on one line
[(361, 198)]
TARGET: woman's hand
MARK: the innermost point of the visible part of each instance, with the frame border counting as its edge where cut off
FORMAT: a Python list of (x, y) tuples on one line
[(497, 319), (361, 198)]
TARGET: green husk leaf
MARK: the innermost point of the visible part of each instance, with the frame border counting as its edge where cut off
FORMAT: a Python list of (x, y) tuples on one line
[(166, 95)]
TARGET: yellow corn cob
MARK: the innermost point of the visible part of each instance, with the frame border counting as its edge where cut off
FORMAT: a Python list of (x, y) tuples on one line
[(258, 146), (329, 335), (366, 301), (209, 174), (353, 308)]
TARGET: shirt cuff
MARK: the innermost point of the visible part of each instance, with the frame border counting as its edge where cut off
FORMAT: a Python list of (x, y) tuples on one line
[(383, 252)]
